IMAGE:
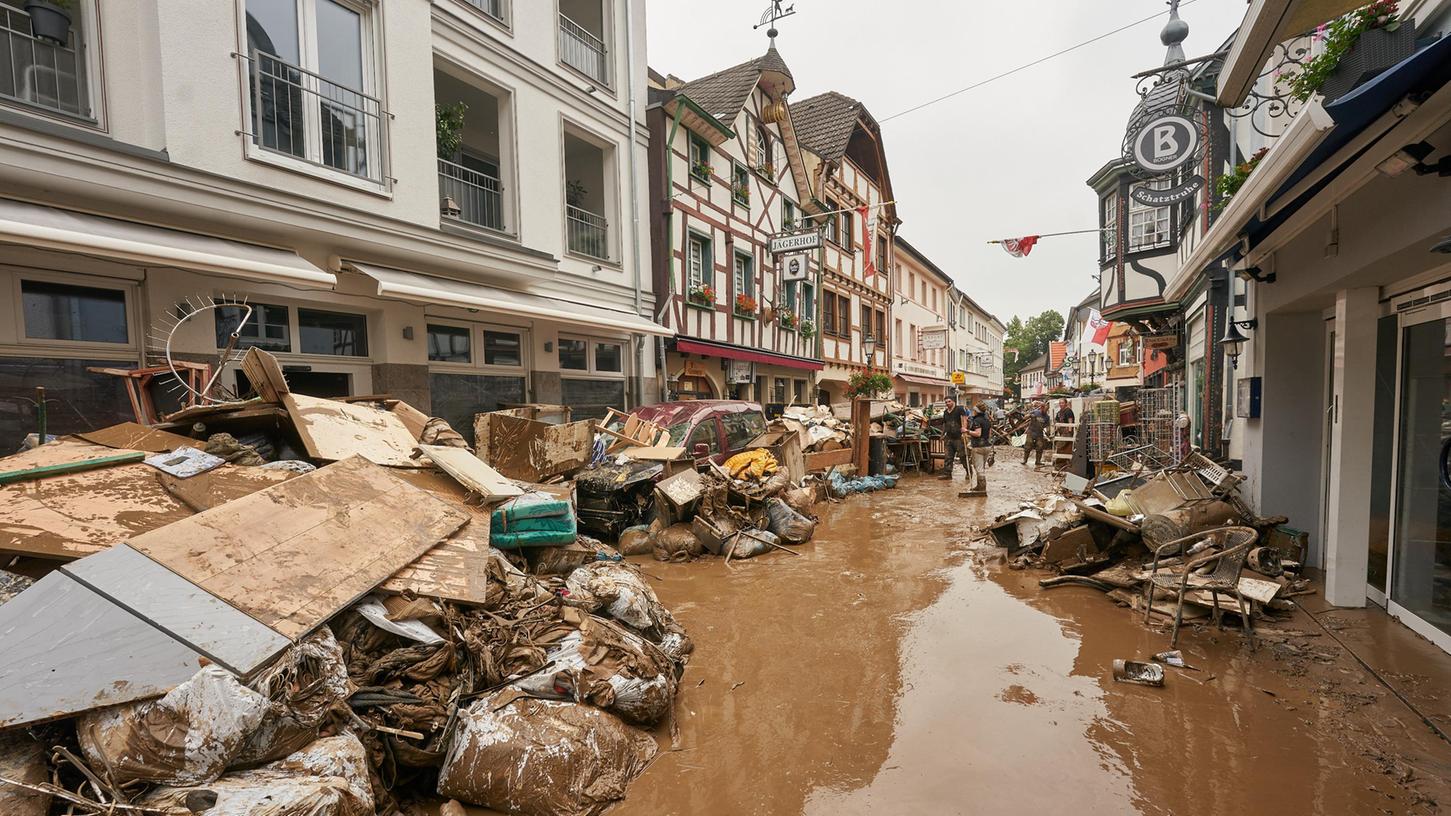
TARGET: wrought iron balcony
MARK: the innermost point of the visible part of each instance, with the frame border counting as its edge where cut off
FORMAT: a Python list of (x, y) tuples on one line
[(40, 73), (301, 114), (589, 233), (583, 51), (479, 196)]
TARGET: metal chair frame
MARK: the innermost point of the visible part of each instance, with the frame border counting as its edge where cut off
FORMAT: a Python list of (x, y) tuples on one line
[(1228, 565)]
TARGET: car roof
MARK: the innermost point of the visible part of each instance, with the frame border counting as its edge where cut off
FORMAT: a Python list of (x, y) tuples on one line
[(673, 413)]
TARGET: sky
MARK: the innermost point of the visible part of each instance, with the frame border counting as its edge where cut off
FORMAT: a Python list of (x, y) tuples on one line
[(1005, 160)]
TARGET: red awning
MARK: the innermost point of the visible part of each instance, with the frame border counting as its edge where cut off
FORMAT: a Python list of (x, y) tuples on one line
[(915, 380), (729, 352)]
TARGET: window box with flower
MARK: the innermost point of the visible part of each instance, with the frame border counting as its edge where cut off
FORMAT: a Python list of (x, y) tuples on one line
[(1353, 49), (745, 306), (702, 295), (741, 192), (787, 319), (1230, 183), (700, 171), (808, 329)]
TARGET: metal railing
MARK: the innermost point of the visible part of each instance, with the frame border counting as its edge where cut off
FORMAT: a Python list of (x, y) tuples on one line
[(41, 73), (301, 114), (479, 196), (493, 8), (589, 233), (582, 50)]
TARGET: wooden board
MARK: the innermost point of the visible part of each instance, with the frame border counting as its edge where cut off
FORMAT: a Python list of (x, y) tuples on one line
[(294, 554), (134, 436), (533, 451), (69, 517), (69, 650), (226, 483), (335, 430), (657, 454), (181, 609), (265, 374), (478, 477), (825, 460), (457, 570)]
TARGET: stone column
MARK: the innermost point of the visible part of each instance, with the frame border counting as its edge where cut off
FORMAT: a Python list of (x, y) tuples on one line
[(1352, 417)]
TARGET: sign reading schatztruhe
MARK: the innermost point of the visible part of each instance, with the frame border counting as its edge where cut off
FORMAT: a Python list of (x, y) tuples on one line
[(1159, 148), (795, 242)]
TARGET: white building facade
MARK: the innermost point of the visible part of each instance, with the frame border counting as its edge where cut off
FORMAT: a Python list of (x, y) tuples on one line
[(165, 155), (921, 341), (976, 339)]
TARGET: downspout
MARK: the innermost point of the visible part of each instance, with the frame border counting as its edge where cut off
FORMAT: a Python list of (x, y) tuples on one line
[(664, 375), (634, 199)]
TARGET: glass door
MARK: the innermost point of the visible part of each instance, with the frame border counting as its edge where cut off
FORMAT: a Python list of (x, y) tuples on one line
[(1421, 554)]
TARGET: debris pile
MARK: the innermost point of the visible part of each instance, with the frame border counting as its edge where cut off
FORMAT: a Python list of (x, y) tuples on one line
[(292, 605)]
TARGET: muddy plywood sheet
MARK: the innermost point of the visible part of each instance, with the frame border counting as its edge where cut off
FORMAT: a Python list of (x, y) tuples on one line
[(294, 554), (532, 451), (334, 431), (181, 609), (224, 484), (457, 570), (445, 487), (265, 374), (468, 471), (135, 436), (68, 649), (74, 515)]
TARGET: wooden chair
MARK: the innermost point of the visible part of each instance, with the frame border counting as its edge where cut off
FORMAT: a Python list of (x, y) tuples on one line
[(1228, 564)]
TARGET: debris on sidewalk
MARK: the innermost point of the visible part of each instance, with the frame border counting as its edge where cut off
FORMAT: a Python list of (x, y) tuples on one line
[(1143, 674)]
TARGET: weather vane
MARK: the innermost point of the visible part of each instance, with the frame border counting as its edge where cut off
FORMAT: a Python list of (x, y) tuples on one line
[(774, 13)]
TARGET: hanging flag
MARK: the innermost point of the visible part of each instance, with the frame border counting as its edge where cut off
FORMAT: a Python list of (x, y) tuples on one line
[(869, 229), (1020, 247), (1095, 332)]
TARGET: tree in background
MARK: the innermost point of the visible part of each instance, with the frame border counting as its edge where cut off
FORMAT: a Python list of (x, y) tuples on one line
[(1030, 338)]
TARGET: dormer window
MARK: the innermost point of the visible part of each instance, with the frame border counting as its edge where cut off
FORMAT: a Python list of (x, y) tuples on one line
[(1148, 226)]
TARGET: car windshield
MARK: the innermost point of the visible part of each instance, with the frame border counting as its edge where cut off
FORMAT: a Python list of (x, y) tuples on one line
[(678, 432)]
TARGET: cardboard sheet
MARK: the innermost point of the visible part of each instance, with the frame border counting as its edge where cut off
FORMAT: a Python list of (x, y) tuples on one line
[(335, 430), (294, 554), (134, 436), (456, 570), (265, 374), (521, 448), (466, 468)]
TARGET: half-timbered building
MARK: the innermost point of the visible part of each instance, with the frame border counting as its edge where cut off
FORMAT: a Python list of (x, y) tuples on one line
[(726, 175)]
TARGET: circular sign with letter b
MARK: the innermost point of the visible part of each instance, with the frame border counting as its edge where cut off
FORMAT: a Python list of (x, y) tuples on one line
[(1165, 143)]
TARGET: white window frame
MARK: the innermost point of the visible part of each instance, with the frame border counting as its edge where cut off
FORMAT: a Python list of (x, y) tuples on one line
[(743, 279), (130, 290), (86, 20), (1126, 353), (1108, 217), (1143, 216), (505, 21), (371, 48), (592, 372), (705, 274)]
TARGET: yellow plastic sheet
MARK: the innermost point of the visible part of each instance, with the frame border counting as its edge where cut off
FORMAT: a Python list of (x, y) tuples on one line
[(753, 464)]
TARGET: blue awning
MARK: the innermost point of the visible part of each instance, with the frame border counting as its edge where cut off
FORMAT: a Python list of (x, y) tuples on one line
[(1424, 71)]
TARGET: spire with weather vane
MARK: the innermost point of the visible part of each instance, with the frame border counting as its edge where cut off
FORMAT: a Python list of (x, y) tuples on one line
[(774, 13)]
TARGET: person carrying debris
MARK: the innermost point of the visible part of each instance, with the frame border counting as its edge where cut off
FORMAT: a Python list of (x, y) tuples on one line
[(980, 431), (954, 425), (1037, 428)]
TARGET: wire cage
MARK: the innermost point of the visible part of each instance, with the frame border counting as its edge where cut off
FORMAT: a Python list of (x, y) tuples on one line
[(1158, 408)]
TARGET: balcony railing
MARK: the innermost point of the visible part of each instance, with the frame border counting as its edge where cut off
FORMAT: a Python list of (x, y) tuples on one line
[(301, 114), (589, 233), (479, 196), (41, 73), (583, 51), (493, 8)]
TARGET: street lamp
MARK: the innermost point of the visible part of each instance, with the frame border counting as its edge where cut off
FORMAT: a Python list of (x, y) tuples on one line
[(869, 348), (1233, 340)]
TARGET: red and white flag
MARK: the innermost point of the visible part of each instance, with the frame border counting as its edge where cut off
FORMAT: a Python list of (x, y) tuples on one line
[(1019, 247), (1095, 333), (869, 229)]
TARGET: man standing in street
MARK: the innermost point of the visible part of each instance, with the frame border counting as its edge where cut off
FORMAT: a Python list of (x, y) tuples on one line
[(954, 424), (1065, 415), (980, 432), (1037, 430)]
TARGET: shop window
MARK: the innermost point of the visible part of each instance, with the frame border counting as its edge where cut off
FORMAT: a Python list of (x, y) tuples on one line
[(332, 333), (448, 344), (592, 399), (88, 314), (457, 397), (609, 357), (573, 354), (267, 329), (503, 349), (778, 391), (798, 395)]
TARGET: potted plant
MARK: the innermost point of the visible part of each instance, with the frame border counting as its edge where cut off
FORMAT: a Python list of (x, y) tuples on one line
[(862, 385), (787, 319), (1354, 48), (808, 329), (745, 305), (741, 190), (701, 170), (702, 294), (50, 20), (448, 125), (768, 170), (1228, 184)]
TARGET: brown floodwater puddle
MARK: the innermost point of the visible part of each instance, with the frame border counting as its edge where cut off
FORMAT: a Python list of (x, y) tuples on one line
[(891, 669)]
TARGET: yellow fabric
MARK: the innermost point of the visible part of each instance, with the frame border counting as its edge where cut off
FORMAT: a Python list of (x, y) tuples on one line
[(753, 464), (1119, 505)]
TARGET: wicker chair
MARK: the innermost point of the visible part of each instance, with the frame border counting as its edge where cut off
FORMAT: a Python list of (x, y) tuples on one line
[(1228, 564)]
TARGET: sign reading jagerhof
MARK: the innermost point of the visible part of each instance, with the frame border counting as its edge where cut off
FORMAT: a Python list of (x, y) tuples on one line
[(795, 242)]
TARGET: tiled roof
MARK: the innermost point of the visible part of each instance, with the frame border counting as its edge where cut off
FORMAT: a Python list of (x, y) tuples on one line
[(825, 123), (1057, 350), (724, 93)]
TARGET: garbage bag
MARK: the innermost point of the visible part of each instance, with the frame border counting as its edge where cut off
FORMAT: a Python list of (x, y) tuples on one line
[(541, 757), (841, 486), (327, 778), (635, 541), (610, 668), (301, 687), (757, 542), (677, 543), (22, 759), (186, 737), (753, 465), (800, 499), (566, 559), (621, 592), (791, 526)]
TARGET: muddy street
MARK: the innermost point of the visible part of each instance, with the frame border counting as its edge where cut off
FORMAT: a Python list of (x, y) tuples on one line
[(894, 667)]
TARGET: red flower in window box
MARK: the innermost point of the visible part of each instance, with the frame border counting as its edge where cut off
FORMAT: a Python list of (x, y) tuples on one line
[(745, 304)]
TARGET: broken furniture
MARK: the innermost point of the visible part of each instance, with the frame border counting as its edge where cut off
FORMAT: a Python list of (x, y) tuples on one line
[(1228, 564), (138, 385)]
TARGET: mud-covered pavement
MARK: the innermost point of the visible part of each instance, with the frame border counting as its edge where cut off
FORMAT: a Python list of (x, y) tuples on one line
[(893, 668)]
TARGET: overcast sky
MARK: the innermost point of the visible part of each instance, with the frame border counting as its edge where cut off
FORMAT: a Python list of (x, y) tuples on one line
[(1004, 160)]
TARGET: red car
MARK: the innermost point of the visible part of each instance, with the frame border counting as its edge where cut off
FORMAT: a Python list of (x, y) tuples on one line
[(708, 429)]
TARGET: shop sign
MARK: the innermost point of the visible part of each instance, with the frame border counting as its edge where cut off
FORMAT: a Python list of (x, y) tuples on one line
[(933, 339), (740, 372), (959, 378), (915, 369), (795, 242), (1165, 143), (695, 368), (1151, 197), (1160, 342), (793, 267)]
